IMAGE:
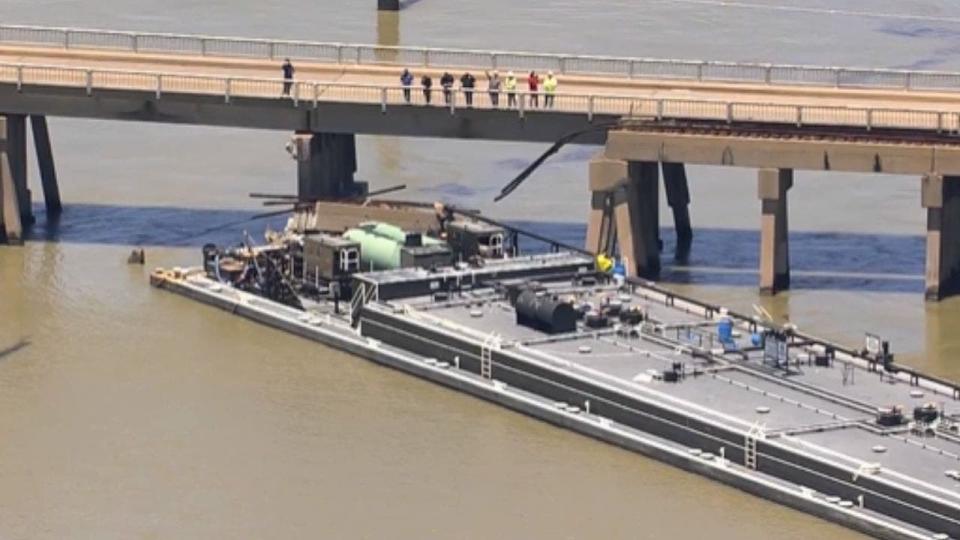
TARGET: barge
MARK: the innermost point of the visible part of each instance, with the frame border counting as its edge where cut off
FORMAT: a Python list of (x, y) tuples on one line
[(845, 434)]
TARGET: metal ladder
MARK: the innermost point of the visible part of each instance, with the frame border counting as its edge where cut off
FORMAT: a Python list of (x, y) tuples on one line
[(750, 445), (486, 355)]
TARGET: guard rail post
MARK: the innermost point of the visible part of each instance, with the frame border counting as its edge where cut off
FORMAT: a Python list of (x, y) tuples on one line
[(837, 76), (66, 39), (226, 90), (729, 112), (339, 54), (799, 115), (19, 78), (768, 73), (660, 110), (493, 60), (159, 85), (453, 101), (135, 42), (590, 109), (383, 100), (700, 71), (520, 103), (203, 47), (316, 95), (296, 95), (89, 73), (869, 119), (907, 81)]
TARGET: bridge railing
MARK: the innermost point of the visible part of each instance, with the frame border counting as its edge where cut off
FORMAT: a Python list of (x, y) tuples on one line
[(28, 77), (358, 54)]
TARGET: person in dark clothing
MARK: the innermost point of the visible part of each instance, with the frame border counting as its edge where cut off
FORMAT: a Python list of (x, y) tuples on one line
[(467, 84), (533, 85), (446, 81), (427, 83), (406, 79), (287, 76)]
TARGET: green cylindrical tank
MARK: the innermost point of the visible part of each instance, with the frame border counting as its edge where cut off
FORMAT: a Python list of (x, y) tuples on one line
[(382, 252), (395, 233)]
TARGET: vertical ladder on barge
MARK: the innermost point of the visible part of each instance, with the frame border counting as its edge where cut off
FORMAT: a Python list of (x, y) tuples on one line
[(486, 355), (750, 445)]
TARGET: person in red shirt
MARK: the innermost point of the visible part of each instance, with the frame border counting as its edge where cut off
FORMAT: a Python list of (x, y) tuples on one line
[(533, 83)]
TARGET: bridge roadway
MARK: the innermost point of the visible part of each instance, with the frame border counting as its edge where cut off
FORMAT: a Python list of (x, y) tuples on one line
[(776, 118)]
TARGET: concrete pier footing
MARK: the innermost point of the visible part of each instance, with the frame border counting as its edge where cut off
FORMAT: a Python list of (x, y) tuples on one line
[(48, 172), (326, 163), (772, 187), (678, 198), (940, 195), (625, 205)]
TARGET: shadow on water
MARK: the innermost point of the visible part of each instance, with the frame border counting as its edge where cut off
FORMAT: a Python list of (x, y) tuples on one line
[(725, 257)]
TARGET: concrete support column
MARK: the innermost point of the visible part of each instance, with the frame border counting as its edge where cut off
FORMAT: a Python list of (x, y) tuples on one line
[(772, 187), (326, 163), (678, 197), (625, 199), (940, 195), (48, 173), (14, 196)]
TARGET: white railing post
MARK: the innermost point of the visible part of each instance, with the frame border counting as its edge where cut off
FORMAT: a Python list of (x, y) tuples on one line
[(19, 78), (869, 119), (339, 53), (907, 81), (226, 90), (273, 49), (453, 101), (383, 100), (700, 71), (590, 109), (296, 94), (89, 82), (359, 54), (632, 70), (316, 95), (203, 47), (837, 77), (799, 115), (729, 113), (159, 86), (939, 122), (66, 39), (562, 64), (135, 42), (426, 57), (660, 110), (768, 73), (520, 103)]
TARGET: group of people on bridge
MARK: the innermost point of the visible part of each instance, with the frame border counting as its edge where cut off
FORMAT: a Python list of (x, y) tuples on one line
[(495, 86), (468, 83)]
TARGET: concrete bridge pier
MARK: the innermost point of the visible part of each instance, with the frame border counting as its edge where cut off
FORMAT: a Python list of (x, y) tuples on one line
[(678, 198), (625, 211), (48, 172), (940, 195), (772, 187), (326, 163), (15, 211)]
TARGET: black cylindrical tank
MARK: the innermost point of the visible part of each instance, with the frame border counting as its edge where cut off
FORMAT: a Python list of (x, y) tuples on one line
[(545, 313)]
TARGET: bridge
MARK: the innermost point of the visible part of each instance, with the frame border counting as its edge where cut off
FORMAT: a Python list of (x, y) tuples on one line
[(649, 114)]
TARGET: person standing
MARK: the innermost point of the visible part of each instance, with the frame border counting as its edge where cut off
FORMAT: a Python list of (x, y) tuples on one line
[(406, 79), (427, 83), (288, 70), (533, 84), (467, 84), (493, 87), (446, 82), (549, 90), (510, 85)]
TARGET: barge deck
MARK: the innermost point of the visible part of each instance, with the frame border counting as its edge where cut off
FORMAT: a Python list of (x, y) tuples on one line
[(799, 421)]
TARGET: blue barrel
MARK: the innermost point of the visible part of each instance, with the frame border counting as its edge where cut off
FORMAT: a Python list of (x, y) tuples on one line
[(619, 269), (725, 330)]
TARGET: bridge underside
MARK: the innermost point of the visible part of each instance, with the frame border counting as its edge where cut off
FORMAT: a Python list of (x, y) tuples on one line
[(623, 214), (282, 114)]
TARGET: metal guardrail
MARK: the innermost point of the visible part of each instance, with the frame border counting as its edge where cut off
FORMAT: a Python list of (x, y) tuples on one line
[(356, 54), (313, 93)]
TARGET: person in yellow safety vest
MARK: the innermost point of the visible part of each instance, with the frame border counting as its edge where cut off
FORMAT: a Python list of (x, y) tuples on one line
[(550, 90), (510, 87), (604, 263)]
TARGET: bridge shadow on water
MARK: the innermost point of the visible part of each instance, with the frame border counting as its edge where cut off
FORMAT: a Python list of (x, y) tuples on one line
[(721, 257)]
